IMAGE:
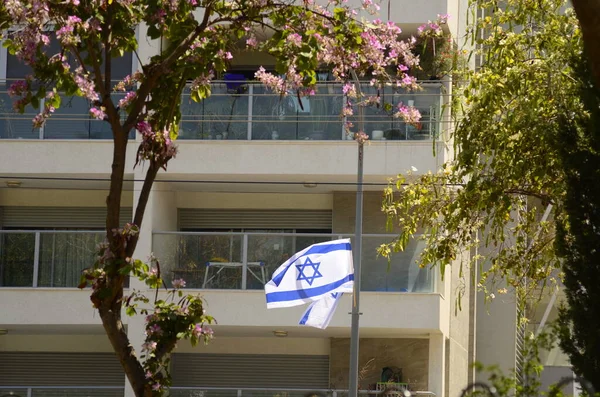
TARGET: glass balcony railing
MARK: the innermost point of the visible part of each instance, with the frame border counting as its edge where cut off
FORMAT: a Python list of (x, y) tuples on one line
[(244, 111), (61, 391), (246, 261), (249, 111), (70, 121), (46, 258)]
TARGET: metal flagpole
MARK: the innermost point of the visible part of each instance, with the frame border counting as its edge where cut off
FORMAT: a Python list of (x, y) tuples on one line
[(354, 334)]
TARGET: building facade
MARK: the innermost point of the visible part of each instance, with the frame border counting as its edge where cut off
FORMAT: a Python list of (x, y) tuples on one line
[(256, 179)]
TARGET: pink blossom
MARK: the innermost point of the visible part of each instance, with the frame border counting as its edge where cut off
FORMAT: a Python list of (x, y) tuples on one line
[(252, 42), (156, 386), (295, 39), (155, 329), (200, 330), (98, 113), (349, 90), (273, 82), (409, 114), (17, 88), (129, 97), (178, 283), (224, 54), (149, 346), (86, 86)]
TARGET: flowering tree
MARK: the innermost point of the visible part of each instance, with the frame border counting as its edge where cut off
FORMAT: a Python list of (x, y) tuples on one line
[(201, 37)]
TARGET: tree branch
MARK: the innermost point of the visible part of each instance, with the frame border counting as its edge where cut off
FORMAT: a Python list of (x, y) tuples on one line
[(141, 204), (155, 71)]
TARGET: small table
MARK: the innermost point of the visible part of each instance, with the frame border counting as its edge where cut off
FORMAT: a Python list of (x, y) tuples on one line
[(225, 265)]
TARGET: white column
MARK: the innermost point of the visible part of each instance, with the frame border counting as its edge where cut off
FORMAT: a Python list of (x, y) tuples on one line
[(437, 360), (161, 214)]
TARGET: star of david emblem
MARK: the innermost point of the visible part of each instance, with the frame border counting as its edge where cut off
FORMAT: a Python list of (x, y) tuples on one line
[(315, 271)]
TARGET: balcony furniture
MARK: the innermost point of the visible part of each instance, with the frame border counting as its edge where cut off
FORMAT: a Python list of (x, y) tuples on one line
[(258, 273), (394, 134)]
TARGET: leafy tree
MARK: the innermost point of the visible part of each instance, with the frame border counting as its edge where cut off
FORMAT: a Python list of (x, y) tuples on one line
[(302, 37), (526, 142), (506, 168), (578, 240)]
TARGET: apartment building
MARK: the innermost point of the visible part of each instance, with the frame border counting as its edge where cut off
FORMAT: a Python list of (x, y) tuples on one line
[(256, 179)]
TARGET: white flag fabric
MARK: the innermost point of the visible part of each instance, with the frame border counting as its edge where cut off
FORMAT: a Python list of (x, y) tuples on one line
[(320, 313), (312, 275)]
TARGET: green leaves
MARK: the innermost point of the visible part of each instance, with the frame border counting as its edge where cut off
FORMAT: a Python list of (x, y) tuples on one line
[(200, 93), (492, 195)]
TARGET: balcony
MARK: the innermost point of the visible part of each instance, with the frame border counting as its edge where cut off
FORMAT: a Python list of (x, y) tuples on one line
[(246, 111), (71, 121), (255, 392), (52, 259), (246, 261), (61, 391)]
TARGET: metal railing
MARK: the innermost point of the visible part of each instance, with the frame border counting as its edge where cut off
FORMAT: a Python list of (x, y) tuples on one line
[(46, 258), (62, 391), (274, 392), (116, 391), (246, 261), (245, 110)]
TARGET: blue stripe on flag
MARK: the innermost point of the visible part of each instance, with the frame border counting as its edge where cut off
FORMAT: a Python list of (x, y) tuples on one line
[(305, 317), (319, 249), (285, 296)]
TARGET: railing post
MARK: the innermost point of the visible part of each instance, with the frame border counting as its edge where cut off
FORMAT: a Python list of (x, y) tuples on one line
[(239, 393), (244, 260), (250, 109), (29, 392), (344, 119), (42, 127), (36, 259), (334, 393)]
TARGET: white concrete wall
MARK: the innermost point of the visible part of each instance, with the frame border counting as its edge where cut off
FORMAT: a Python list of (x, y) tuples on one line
[(383, 311), (314, 158), (60, 157), (28, 306), (496, 333)]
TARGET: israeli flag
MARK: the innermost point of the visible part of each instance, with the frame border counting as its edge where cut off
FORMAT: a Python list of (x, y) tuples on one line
[(320, 274), (320, 313)]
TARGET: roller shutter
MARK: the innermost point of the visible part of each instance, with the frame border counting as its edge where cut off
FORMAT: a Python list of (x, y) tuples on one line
[(58, 217), (60, 369), (250, 371), (196, 218)]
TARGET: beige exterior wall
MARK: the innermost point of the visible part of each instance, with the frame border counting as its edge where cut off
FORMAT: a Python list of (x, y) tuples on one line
[(254, 200), (24, 197), (260, 345), (411, 355), (55, 343), (344, 212), (458, 348)]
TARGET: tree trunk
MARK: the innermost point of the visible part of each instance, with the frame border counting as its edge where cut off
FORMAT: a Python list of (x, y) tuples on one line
[(588, 13), (111, 320)]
